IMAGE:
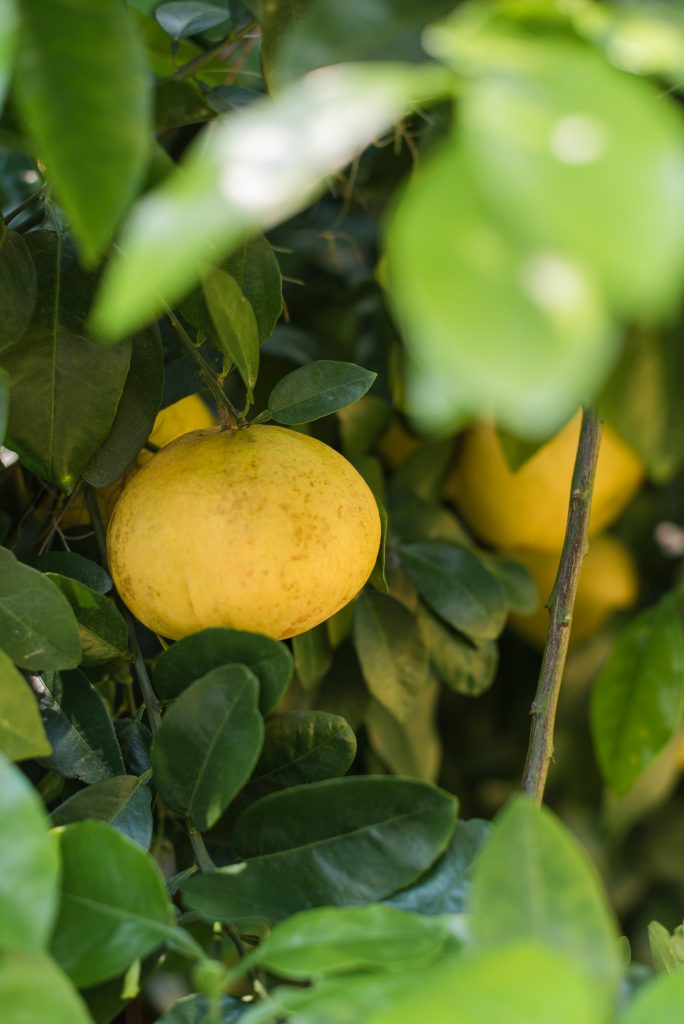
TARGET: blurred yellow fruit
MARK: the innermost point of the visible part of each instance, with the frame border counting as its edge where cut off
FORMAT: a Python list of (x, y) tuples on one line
[(608, 583), (396, 445), (189, 413), (528, 507), (263, 529)]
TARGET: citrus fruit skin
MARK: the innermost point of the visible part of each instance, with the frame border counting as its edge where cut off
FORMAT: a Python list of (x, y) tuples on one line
[(607, 584), (528, 507), (261, 529)]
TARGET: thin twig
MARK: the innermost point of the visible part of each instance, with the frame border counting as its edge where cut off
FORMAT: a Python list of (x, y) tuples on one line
[(560, 605), (223, 49), (24, 205), (202, 855), (228, 414)]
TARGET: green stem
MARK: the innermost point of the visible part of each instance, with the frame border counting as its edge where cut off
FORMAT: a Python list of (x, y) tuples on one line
[(560, 605), (228, 414), (24, 205), (202, 855), (224, 48)]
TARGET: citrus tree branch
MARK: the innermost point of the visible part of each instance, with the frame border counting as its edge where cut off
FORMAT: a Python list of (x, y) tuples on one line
[(560, 605), (228, 414)]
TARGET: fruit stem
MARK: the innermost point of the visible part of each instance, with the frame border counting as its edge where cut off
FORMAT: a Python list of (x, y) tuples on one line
[(228, 415), (560, 605)]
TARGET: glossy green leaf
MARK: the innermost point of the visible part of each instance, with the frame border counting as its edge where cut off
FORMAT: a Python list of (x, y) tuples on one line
[(29, 865), (122, 802), (135, 415), (659, 1002), (336, 940), (391, 652), (532, 881), (32, 988), (180, 18), (101, 626), (255, 169), (208, 744), (17, 284), (4, 403), (518, 586), (458, 585), (494, 326), (194, 656), (636, 700), (415, 519), (312, 656), (76, 567), (21, 731), (65, 390), (411, 747), (101, 928), (236, 333), (301, 747), (8, 41), (341, 842), (464, 666), (37, 625), (135, 742), (78, 726), (445, 888), (316, 390), (74, 74)]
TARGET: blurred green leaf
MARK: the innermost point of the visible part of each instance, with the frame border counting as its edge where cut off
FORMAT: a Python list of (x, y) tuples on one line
[(18, 289), (312, 656), (180, 18), (122, 802), (667, 951), (425, 470), (412, 747), (101, 928), (8, 40), (65, 390), (236, 332), (464, 666), (74, 75), (4, 404), (177, 104), (194, 656), (78, 726), (659, 1002), (21, 731), (76, 567), (208, 744), (195, 1009), (29, 866), (32, 988), (636, 701), (37, 625), (532, 881), (101, 626), (316, 390)]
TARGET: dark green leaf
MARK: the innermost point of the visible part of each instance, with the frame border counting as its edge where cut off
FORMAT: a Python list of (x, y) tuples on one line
[(391, 652), (17, 285), (236, 333), (362, 424), (135, 415), (342, 842), (135, 741), (32, 989), (76, 567), (457, 584), (37, 625), (532, 881), (445, 888), (75, 75), (101, 626), (8, 39), (180, 18), (378, 577), (83, 741), (425, 470), (312, 656), (29, 865), (316, 390), (411, 747), (122, 802), (101, 928), (177, 104), (195, 1010), (4, 404), (416, 520), (518, 585), (21, 731), (208, 744), (462, 665), (636, 700), (196, 655), (65, 390), (659, 1002)]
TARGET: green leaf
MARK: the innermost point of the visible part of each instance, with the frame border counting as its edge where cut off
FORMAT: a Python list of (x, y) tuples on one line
[(208, 744), (101, 626), (135, 742), (78, 726), (8, 40), (194, 656), (195, 1009), (312, 656), (391, 652), (123, 802), (636, 700), (32, 988), (464, 666), (659, 1002), (17, 284), (301, 747), (458, 585), (425, 470), (316, 390), (29, 865), (4, 403), (445, 888), (37, 625), (180, 18), (412, 747), (76, 567), (65, 390), (135, 415), (102, 928), (236, 331), (667, 951), (341, 842), (532, 881), (335, 940), (518, 586), (494, 326), (231, 183), (21, 731), (65, 104)]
